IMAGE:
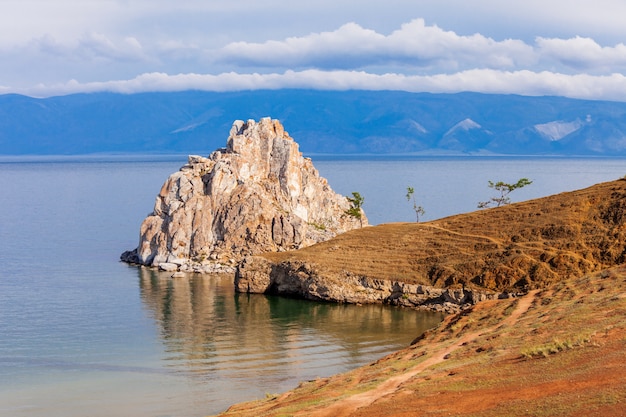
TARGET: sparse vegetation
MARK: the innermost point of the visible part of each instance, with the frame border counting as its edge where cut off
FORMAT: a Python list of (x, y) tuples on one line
[(318, 226), (419, 210), (356, 202), (555, 346), (504, 189)]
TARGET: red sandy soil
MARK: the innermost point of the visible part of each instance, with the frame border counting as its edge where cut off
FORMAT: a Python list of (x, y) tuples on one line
[(560, 351)]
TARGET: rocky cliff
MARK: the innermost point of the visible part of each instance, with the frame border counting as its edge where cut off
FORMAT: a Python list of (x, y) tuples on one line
[(259, 194)]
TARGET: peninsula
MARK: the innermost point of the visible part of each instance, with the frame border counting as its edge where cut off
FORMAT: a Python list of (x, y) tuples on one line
[(454, 262)]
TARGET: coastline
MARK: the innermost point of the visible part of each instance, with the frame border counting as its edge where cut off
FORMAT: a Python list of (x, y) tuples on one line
[(552, 349), (561, 253), (305, 280)]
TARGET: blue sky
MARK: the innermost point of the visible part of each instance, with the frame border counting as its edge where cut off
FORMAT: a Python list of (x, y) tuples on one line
[(570, 48)]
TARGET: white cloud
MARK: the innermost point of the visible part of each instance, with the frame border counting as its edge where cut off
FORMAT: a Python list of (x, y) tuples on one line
[(486, 46), (352, 46), (583, 53), (416, 46), (23, 20), (92, 47), (98, 46), (611, 87)]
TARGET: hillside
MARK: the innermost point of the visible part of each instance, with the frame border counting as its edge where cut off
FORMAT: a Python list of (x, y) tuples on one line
[(557, 348), (558, 351), (510, 249), (335, 122)]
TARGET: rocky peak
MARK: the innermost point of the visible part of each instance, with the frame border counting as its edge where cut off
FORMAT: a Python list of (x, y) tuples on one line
[(256, 195)]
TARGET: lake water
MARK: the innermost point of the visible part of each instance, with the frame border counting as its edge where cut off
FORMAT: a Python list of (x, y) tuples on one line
[(82, 334)]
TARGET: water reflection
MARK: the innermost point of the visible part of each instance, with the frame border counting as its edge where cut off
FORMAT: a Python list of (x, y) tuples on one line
[(211, 332)]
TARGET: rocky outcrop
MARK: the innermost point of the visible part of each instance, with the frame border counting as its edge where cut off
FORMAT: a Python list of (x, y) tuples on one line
[(257, 274), (256, 195)]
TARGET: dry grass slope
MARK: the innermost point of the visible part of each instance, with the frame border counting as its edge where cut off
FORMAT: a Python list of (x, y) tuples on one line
[(513, 248)]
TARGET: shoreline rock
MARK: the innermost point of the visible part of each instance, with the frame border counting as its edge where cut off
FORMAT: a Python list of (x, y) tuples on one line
[(258, 275), (207, 267)]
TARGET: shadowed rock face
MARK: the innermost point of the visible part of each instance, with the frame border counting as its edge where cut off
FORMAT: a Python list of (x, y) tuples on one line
[(257, 195)]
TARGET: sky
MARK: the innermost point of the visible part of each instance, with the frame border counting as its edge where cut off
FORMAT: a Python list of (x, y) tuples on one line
[(571, 48)]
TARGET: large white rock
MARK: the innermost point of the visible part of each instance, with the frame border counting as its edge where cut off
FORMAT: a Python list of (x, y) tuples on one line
[(257, 195)]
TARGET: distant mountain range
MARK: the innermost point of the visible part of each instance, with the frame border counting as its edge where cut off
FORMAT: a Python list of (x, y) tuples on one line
[(334, 122)]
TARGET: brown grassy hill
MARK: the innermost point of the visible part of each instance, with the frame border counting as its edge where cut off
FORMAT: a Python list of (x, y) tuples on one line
[(558, 351), (515, 248)]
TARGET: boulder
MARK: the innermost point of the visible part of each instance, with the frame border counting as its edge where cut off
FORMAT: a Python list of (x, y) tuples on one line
[(167, 266), (259, 194)]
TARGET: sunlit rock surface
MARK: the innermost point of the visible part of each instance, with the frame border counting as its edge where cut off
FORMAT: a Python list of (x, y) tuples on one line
[(259, 194)]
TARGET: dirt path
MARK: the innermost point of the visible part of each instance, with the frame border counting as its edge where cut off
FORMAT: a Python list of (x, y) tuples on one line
[(347, 406)]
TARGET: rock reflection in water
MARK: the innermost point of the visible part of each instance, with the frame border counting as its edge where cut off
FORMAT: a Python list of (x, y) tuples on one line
[(211, 332)]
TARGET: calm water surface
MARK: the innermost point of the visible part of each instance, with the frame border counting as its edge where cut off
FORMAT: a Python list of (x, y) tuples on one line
[(84, 335)]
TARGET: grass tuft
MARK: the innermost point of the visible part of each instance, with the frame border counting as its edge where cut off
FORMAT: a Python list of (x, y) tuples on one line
[(555, 346)]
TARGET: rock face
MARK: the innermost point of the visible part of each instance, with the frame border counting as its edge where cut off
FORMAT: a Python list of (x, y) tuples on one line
[(257, 274), (256, 195)]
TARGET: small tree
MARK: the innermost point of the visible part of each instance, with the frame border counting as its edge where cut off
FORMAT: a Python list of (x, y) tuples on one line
[(356, 202), (419, 210), (504, 189)]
